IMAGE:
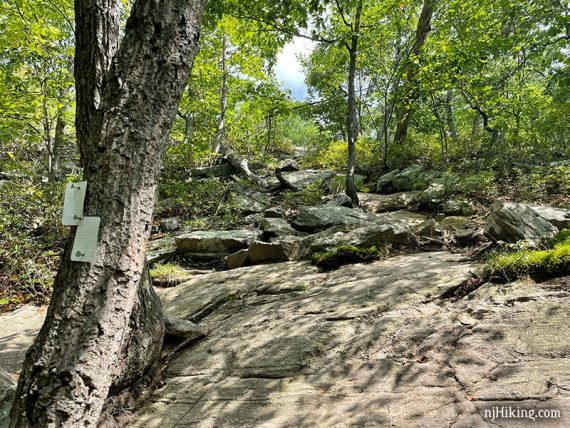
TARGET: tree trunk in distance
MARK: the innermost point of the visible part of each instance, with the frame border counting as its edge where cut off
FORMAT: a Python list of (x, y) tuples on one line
[(449, 116), (123, 119), (351, 117), (223, 99), (411, 94)]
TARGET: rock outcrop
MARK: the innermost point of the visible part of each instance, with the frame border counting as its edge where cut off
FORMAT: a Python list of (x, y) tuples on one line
[(376, 203), (511, 222), (366, 345), (214, 244), (414, 177), (313, 219), (558, 217)]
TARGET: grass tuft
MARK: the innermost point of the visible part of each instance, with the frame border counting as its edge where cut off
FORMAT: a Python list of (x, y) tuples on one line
[(347, 254), (168, 275)]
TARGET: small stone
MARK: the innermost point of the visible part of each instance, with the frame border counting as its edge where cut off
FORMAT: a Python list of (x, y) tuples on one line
[(273, 212), (170, 224), (236, 260)]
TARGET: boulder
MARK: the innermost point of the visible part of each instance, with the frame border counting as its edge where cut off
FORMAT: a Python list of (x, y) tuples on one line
[(250, 201), (273, 227), (236, 260), (169, 224), (341, 200), (312, 219), (213, 244), (390, 232), (427, 228), (281, 249), (454, 207), (223, 170), (273, 212), (433, 196), (511, 222), (301, 179), (375, 203), (558, 217), (414, 177), (265, 252)]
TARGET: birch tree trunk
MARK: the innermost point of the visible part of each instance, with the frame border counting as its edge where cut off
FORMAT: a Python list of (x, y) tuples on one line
[(127, 96)]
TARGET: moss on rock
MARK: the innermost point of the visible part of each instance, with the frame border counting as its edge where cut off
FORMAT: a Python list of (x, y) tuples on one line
[(347, 254), (539, 264)]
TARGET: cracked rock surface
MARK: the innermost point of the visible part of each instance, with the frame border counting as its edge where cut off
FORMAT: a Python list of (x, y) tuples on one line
[(363, 346)]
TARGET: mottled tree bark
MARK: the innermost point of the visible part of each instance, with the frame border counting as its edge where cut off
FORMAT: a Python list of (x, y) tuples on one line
[(127, 98), (411, 87)]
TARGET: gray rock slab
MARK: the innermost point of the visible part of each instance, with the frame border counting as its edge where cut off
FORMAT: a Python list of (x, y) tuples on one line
[(376, 203), (312, 219), (18, 330), (364, 345), (301, 179), (215, 241), (559, 217), (511, 222), (273, 227)]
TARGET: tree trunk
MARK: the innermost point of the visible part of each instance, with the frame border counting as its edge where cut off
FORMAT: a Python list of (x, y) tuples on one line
[(59, 138), (352, 117), (449, 116), (123, 119), (223, 99), (411, 90)]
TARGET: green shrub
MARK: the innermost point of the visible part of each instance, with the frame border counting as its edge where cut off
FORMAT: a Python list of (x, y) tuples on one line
[(310, 195), (32, 240), (335, 154), (347, 254), (538, 264)]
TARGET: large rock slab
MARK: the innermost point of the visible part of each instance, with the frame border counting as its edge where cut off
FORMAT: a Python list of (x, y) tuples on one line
[(302, 179), (312, 219), (393, 232), (376, 203), (511, 222), (365, 345), (558, 217), (214, 243)]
